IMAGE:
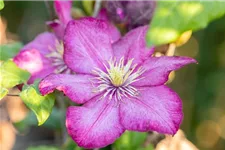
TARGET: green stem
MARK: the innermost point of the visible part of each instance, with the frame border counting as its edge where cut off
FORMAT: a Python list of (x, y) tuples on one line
[(97, 8), (62, 106), (13, 95), (49, 10)]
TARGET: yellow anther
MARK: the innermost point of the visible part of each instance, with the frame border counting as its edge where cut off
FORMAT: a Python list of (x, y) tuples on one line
[(119, 73), (116, 74)]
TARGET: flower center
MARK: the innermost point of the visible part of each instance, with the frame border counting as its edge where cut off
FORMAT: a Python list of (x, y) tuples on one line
[(117, 72), (56, 57), (116, 81)]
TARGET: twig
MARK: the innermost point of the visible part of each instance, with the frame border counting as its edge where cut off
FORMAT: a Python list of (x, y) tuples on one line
[(154, 138), (97, 8), (63, 108), (171, 49), (12, 94)]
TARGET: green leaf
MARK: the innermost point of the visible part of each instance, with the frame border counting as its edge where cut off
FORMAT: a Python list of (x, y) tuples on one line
[(40, 105), (3, 92), (172, 18), (130, 140), (53, 122), (148, 147), (88, 6), (43, 147), (1, 4), (8, 51), (78, 4), (11, 75), (70, 145)]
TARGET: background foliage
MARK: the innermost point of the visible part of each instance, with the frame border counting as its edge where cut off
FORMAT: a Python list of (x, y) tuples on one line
[(201, 86)]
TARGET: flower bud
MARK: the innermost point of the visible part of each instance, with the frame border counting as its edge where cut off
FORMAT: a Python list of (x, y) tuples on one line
[(131, 13)]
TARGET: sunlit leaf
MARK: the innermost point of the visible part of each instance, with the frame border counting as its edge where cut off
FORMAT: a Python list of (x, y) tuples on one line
[(184, 37), (78, 13), (172, 18), (88, 6), (11, 75), (3, 92), (40, 105), (1, 4)]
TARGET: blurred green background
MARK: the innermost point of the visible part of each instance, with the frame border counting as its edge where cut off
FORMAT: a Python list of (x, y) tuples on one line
[(201, 86)]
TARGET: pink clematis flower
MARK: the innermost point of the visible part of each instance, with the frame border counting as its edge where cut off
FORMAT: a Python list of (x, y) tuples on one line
[(113, 31), (63, 11), (44, 55), (120, 85)]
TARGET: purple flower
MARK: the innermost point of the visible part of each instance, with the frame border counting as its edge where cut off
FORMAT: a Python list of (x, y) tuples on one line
[(113, 31), (133, 13), (44, 55), (120, 85)]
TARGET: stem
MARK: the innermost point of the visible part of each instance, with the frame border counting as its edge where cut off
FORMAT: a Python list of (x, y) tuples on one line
[(171, 49), (62, 106), (97, 8), (154, 138), (50, 14), (12, 94)]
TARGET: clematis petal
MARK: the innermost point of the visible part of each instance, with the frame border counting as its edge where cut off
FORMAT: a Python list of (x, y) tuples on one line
[(133, 46), (87, 45), (157, 69), (77, 87), (95, 124), (63, 10), (58, 28), (35, 63), (156, 108), (113, 31), (44, 42)]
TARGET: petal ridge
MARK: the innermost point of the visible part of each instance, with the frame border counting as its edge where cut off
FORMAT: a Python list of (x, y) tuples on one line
[(77, 87), (158, 109), (101, 129), (157, 69), (87, 45)]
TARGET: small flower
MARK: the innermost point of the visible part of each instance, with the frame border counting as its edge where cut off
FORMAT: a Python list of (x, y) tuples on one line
[(120, 85), (132, 13), (44, 55)]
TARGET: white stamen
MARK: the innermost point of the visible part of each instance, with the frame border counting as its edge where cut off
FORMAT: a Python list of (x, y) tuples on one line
[(56, 57), (116, 81)]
